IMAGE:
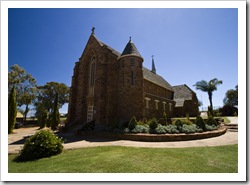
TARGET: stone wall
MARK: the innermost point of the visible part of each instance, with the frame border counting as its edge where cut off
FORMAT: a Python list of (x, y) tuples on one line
[(130, 89), (189, 107), (155, 94)]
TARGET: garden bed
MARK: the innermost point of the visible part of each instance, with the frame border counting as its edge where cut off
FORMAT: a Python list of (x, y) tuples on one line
[(158, 137)]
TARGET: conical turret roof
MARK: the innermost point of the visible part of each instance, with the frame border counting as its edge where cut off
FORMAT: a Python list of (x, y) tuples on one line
[(131, 49)]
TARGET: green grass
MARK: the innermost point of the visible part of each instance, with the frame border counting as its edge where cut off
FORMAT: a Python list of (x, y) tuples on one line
[(226, 120), (116, 159)]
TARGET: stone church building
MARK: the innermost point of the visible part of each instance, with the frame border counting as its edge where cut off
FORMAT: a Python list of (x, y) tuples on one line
[(110, 87)]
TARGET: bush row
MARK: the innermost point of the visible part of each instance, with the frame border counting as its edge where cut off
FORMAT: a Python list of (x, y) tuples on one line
[(179, 126)]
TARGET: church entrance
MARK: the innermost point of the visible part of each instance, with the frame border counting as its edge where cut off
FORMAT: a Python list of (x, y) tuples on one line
[(90, 113)]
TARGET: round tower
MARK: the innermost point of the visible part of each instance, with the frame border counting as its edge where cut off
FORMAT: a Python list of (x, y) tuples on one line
[(130, 84)]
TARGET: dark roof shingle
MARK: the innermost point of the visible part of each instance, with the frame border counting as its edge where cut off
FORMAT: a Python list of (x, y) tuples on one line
[(157, 79), (111, 49), (131, 49), (182, 92)]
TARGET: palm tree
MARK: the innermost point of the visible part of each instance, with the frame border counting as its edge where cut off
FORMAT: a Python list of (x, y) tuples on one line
[(208, 87)]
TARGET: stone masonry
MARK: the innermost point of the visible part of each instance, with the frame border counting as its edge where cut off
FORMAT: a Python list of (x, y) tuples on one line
[(109, 87)]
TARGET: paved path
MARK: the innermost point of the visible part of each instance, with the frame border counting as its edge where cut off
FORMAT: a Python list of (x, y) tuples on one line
[(17, 139), (233, 120)]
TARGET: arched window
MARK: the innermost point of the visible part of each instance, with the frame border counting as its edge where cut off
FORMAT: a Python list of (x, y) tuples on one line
[(92, 72)]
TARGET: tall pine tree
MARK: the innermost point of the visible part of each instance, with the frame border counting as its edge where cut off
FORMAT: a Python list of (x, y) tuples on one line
[(12, 110)]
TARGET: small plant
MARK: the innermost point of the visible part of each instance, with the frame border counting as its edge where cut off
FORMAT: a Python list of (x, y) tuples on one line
[(126, 130), (160, 129), (235, 114), (178, 124), (140, 129), (42, 144), (211, 127), (187, 116), (171, 129), (188, 129), (200, 123), (165, 118), (132, 123), (211, 121), (153, 124)]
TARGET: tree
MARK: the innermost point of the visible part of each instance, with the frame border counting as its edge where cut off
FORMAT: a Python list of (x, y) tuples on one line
[(25, 86), (41, 115), (55, 117), (208, 87), (12, 110), (231, 97), (46, 95), (200, 103)]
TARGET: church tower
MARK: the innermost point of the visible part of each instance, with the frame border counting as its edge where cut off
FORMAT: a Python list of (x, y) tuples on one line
[(130, 84)]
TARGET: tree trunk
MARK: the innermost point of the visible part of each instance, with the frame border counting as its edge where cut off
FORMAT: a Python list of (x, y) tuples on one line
[(25, 114), (211, 103)]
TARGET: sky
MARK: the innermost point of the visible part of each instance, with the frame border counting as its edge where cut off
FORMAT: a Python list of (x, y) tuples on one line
[(189, 45)]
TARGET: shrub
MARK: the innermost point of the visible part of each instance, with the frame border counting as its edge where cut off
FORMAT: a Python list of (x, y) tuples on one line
[(42, 144), (200, 123), (178, 124), (188, 129), (126, 130), (153, 124), (211, 121), (132, 123), (228, 110), (211, 127), (171, 129), (160, 129), (140, 129)]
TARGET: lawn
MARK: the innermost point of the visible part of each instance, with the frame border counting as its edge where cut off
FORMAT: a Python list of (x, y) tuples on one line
[(117, 159)]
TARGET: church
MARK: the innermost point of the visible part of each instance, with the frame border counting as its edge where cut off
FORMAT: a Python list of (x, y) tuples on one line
[(110, 87)]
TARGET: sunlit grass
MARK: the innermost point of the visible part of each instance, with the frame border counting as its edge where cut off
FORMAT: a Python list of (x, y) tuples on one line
[(116, 159)]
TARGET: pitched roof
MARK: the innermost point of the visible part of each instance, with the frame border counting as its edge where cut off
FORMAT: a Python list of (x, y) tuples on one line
[(157, 79), (111, 49), (182, 92), (131, 49)]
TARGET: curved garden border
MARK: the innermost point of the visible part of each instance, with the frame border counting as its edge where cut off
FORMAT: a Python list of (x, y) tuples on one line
[(159, 137)]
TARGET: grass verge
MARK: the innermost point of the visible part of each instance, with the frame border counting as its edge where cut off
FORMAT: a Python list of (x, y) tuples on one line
[(117, 159)]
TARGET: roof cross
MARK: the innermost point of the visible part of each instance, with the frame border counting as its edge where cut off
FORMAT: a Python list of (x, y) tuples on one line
[(93, 30)]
